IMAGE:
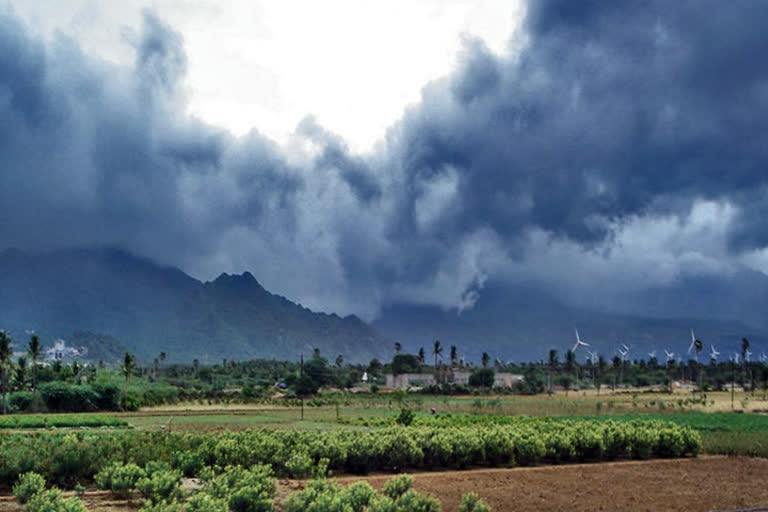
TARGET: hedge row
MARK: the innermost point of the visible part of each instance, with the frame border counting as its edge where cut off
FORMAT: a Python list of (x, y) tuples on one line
[(75, 457)]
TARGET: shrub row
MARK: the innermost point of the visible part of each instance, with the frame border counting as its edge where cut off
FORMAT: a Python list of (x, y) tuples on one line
[(76, 457), (236, 489)]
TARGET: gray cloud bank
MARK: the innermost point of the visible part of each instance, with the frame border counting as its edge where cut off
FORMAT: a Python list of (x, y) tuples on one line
[(619, 142)]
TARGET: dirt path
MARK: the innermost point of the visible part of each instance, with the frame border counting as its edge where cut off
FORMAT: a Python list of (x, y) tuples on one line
[(695, 485)]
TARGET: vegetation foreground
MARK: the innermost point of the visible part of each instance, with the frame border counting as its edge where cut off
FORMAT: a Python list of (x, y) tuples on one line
[(237, 468)]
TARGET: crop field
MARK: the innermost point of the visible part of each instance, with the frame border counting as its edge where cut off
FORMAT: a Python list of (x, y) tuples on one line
[(502, 447), (36, 421)]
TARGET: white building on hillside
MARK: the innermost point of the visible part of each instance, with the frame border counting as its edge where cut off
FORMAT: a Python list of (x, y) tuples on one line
[(61, 351)]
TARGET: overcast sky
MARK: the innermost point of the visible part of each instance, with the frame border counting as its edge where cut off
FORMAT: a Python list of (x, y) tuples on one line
[(353, 154)]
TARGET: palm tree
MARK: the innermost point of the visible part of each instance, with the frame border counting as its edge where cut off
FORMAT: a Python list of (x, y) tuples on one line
[(34, 353), (699, 346), (437, 351), (129, 367), (398, 347), (454, 355), (485, 359), (5, 362), (21, 373), (163, 355), (552, 366), (339, 360), (421, 356)]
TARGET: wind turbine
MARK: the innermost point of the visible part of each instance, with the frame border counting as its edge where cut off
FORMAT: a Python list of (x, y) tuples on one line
[(695, 343), (652, 354), (670, 355), (713, 355), (747, 353), (624, 350), (579, 342)]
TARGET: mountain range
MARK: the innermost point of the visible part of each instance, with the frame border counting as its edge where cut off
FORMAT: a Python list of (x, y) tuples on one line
[(110, 300), (88, 295)]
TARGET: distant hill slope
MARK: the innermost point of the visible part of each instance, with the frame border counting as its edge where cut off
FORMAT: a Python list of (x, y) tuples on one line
[(133, 302), (523, 323)]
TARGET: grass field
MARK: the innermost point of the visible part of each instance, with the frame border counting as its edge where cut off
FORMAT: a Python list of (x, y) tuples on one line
[(32, 421), (722, 432)]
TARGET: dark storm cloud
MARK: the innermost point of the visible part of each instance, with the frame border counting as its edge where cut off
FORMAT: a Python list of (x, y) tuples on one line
[(610, 112)]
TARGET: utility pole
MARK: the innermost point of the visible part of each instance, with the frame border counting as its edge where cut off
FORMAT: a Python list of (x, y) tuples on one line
[(301, 380)]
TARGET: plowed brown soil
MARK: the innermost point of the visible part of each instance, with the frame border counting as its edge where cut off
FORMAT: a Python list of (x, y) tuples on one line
[(685, 485), (695, 485)]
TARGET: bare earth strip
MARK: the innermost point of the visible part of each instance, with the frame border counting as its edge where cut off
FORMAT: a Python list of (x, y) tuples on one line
[(684, 485), (695, 485)]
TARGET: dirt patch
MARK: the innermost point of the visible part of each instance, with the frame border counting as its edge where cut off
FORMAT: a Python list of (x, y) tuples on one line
[(682, 485), (695, 485)]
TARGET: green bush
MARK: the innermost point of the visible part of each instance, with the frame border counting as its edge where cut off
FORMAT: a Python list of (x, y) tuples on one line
[(53, 501), (161, 485), (250, 499), (190, 463), (163, 506), (397, 486), (62, 396), (28, 485), (19, 401), (471, 502), (119, 478), (202, 502), (405, 417), (299, 465)]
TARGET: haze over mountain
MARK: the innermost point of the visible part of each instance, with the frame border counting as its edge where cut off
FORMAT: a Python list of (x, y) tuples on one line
[(110, 300), (148, 308), (525, 323)]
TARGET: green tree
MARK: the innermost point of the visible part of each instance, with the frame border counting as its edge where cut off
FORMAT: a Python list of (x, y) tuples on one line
[(437, 351), (5, 366), (405, 363), (339, 361), (699, 347), (129, 368), (374, 367), (482, 378), (21, 373), (34, 354), (421, 356), (454, 355), (485, 359)]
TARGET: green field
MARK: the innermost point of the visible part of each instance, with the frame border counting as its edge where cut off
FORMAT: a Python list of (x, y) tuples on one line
[(36, 421)]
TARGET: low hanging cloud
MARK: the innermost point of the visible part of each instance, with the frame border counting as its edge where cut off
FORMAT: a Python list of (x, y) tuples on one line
[(604, 125)]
